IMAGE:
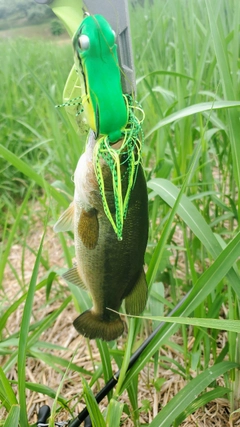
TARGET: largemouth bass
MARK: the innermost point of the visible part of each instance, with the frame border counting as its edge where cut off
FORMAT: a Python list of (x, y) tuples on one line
[(110, 269)]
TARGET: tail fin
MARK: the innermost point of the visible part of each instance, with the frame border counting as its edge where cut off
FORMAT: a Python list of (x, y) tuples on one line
[(92, 326)]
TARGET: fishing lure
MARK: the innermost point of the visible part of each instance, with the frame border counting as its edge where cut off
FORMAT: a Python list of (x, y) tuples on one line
[(97, 63), (108, 112)]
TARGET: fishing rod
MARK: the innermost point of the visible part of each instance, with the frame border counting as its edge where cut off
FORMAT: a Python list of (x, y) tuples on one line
[(44, 411)]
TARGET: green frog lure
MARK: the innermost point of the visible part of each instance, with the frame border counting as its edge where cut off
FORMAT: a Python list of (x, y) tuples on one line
[(108, 112)]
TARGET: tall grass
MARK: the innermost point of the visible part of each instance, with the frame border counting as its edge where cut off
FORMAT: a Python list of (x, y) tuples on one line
[(187, 66), (33, 77)]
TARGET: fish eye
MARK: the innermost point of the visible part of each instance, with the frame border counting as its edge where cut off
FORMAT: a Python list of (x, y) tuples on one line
[(83, 42)]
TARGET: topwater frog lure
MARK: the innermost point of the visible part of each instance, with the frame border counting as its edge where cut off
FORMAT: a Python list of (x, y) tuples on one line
[(97, 63), (108, 112)]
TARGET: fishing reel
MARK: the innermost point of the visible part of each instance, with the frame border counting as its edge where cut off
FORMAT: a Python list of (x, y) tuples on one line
[(44, 414)]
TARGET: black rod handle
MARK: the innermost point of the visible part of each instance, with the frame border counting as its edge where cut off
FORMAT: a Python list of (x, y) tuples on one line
[(43, 414)]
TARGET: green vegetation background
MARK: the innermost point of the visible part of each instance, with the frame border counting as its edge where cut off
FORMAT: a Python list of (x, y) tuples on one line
[(187, 67)]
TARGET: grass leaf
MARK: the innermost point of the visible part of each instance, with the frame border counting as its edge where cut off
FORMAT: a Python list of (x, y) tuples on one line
[(189, 393), (13, 417), (23, 339), (201, 401), (30, 172), (193, 109), (92, 406), (7, 395), (106, 362), (220, 324), (114, 413)]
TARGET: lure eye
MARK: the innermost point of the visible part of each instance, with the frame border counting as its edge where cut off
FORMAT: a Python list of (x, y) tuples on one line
[(83, 42)]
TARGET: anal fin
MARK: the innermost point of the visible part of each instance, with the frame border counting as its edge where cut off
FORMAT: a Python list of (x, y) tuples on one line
[(73, 277), (135, 302), (88, 228)]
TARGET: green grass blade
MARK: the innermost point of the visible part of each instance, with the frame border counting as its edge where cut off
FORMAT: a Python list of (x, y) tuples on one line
[(163, 73), (106, 362), (220, 47), (92, 406), (80, 297), (43, 389), (12, 234), (30, 172), (126, 357), (188, 212), (13, 307), (38, 329), (189, 393), (160, 248), (193, 109), (114, 413), (23, 339), (223, 325), (201, 401), (13, 417), (54, 361), (7, 395), (55, 402), (132, 391), (47, 322), (221, 51), (96, 375)]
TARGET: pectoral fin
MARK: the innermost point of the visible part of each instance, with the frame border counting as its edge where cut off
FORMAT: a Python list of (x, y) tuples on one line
[(65, 222), (135, 301), (73, 277), (88, 228)]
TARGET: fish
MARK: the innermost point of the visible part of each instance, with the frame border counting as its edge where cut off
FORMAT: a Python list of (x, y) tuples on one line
[(111, 270)]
